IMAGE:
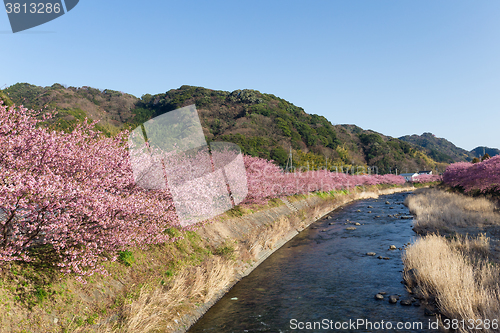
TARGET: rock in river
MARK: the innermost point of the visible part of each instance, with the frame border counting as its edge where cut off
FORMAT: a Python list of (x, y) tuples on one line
[(379, 296), (371, 254), (393, 299), (406, 302)]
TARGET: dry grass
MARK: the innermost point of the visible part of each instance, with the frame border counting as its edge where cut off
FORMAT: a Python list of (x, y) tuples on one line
[(160, 309), (157, 309), (455, 272), (458, 270), (451, 212)]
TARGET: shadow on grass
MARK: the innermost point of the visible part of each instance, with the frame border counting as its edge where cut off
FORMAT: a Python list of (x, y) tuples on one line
[(31, 282)]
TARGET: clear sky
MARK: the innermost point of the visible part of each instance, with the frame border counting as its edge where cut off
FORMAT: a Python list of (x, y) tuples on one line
[(394, 66)]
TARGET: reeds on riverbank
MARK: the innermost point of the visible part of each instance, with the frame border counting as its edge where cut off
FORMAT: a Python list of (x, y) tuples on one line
[(439, 211), (458, 270), (456, 273)]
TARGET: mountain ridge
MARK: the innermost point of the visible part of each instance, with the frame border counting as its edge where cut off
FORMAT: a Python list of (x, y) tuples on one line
[(261, 124), (442, 150)]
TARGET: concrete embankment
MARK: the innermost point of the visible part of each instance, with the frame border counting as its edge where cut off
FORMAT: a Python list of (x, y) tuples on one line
[(260, 234)]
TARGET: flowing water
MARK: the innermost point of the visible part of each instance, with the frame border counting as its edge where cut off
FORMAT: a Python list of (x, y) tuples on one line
[(324, 275)]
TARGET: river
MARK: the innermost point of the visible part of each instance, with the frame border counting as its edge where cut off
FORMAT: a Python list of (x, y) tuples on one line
[(324, 275)]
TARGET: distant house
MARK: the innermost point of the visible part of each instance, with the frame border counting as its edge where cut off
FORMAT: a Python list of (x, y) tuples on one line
[(429, 172), (409, 176)]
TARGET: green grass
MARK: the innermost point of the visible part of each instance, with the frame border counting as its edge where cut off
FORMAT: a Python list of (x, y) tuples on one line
[(225, 250), (41, 294), (126, 257)]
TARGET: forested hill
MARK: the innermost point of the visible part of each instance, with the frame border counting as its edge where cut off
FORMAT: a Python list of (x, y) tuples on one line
[(261, 124), (481, 151), (439, 149)]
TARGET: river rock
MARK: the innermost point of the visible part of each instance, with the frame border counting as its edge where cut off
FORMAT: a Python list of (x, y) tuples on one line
[(382, 293), (358, 211), (380, 257), (405, 302), (386, 258), (371, 254), (369, 211), (387, 203), (392, 247), (417, 304), (370, 207), (393, 299), (350, 228), (406, 217), (357, 223), (331, 223), (379, 297)]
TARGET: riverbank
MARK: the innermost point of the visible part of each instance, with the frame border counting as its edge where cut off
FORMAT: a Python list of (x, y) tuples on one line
[(265, 232), (165, 287), (456, 264)]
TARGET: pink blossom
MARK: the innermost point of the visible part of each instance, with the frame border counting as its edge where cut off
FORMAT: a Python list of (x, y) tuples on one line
[(483, 176)]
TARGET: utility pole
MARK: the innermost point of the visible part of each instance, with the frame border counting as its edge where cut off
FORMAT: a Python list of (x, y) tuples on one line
[(289, 162)]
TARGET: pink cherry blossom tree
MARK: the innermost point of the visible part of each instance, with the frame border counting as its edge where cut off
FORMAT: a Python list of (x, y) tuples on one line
[(73, 193), (483, 176)]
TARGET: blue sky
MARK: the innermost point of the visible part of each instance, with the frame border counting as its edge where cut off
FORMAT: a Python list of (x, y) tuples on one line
[(394, 66)]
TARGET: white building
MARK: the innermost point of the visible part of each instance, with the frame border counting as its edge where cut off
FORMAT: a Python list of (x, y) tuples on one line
[(409, 176)]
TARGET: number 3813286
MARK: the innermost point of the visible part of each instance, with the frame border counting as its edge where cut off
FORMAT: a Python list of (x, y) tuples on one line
[(33, 8)]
